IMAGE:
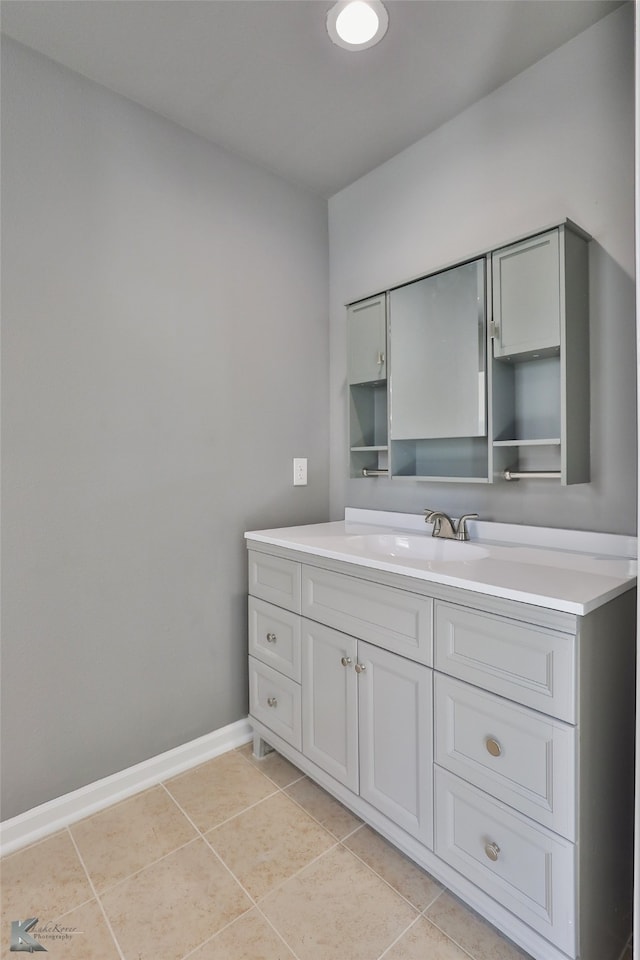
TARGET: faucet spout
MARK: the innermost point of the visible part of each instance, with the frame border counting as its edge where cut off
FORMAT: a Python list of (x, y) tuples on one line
[(442, 524), (445, 527)]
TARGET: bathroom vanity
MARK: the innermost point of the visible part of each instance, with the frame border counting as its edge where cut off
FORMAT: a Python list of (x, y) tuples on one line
[(473, 702)]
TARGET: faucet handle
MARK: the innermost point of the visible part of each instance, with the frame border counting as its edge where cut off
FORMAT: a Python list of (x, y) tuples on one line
[(462, 533)]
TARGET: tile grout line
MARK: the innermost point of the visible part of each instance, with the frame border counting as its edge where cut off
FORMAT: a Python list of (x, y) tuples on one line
[(399, 937), (380, 877), (340, 842), (152, 863), (421, 913), (459, 945), (255, 765), (97, 897), (228, 819), (200, 836), (254, 903), (431, 903), (277, 932), (315, 819), (464, 950)]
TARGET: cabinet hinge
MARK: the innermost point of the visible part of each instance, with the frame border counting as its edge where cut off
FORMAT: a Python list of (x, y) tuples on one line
[(493, 330)]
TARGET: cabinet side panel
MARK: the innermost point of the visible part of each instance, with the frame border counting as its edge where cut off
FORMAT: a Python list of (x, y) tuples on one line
[(575, 351), (606, 727)]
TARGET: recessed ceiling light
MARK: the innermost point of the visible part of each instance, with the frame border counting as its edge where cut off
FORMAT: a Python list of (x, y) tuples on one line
[(357, 24)]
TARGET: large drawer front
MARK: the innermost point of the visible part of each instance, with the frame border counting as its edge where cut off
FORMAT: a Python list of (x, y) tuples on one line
[(275, 579), (509, 751), (276, 701), (394, 619), (531, 665), (274, 637), (525, 867)]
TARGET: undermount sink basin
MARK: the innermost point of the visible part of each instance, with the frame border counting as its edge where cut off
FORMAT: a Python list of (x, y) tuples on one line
[(413, 547)]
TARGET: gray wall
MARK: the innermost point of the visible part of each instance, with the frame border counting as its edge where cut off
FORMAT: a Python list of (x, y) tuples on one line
[(165, 356), (555, 142)]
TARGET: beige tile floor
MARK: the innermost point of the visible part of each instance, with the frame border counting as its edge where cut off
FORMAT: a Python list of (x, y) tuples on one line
[(237, 859)]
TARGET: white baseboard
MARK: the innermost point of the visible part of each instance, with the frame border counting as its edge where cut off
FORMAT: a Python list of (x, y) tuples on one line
[(45, 819)]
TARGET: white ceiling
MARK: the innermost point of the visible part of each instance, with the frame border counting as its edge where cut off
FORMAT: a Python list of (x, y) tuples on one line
[(261, 77)]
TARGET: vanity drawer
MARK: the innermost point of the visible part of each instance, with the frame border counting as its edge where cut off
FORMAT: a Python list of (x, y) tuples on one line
[(276, 701), (400, 622), (274, 637), (275, 579), (529, 664), (523, 866), (521, 757)]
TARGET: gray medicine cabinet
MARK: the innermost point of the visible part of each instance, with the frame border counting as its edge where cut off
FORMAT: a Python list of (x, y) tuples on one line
[(478, 372)]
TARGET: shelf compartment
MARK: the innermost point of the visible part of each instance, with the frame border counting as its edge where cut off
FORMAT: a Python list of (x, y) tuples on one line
[(368, 427), (527, 405), (452, 459), (527, 457)]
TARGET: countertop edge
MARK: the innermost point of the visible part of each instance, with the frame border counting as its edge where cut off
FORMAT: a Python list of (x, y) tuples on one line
[(500, 591)]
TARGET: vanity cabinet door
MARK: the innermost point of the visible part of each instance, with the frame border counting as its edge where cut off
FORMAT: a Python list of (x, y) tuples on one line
[(367, 335), (394, 711), (330, 702), (526, 297)]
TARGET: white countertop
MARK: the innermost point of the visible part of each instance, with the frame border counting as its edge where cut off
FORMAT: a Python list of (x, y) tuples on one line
[(571, 571)]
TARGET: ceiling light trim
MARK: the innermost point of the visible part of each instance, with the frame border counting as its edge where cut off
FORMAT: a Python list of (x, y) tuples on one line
[(344, 7)]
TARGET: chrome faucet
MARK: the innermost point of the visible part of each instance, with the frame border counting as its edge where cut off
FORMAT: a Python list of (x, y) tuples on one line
[(445, 527)]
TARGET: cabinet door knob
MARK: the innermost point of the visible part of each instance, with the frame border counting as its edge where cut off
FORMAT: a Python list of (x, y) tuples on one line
[(493, 747), (380, 360), (492, 850), (272, 701), (345, 661), (360, 667), (271, 638)]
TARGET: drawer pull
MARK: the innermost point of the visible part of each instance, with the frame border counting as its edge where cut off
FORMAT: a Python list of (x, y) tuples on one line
[(271, 638), (493, 747), (360, 667), (272, 701), (492, 850), (345, 661)]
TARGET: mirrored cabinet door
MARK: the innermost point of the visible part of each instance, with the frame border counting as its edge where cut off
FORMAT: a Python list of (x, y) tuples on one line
[(437, 337)]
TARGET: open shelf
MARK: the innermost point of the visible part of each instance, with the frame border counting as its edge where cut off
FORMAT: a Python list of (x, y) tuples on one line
[(454, 459), (545, 442), (369, 448)]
